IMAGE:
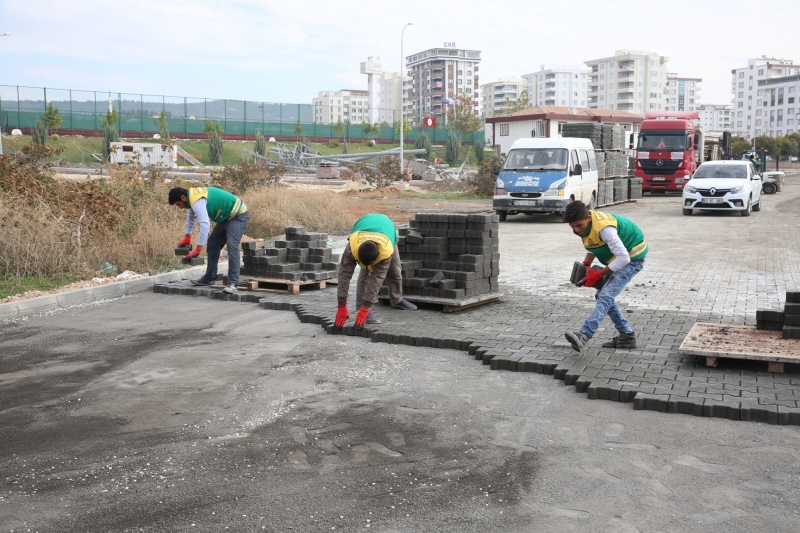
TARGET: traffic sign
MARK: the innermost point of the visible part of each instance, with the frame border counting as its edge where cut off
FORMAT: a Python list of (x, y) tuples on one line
[(429, 122)]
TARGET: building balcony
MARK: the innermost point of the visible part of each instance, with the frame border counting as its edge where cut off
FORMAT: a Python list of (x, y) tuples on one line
[(625, 85), (593, 91), (595, 69), (549, 93), (626, 65), (626, 106), (592, 100), (549, 85), (550, 76), (625, 96), (549, 102), (625, 75)]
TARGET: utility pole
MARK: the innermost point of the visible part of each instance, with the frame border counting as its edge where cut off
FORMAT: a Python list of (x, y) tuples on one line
[(402, 98)]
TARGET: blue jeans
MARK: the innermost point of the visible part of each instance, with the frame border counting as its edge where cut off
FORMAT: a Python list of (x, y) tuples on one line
[(228, 233), (605, 300)]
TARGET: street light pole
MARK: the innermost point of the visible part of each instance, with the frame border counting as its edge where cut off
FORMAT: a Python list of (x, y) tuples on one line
[(402, 98)]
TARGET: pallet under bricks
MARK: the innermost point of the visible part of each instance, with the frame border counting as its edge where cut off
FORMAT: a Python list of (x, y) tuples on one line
[(301, 256), (449, 255)]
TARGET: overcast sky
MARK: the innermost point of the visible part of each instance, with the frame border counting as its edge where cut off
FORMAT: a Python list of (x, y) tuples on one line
[(288, 51)]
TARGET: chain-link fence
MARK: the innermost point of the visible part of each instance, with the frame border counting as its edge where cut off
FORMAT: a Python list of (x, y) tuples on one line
[(139, 115)]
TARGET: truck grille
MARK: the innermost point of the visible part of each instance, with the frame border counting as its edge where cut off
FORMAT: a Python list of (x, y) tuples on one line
[(667, 166)]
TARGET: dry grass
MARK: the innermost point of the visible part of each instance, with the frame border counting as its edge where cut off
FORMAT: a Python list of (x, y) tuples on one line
[(273, 208)]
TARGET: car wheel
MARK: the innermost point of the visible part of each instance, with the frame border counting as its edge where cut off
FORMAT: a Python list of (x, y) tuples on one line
[(502, 214), (757, 205), (688, 212), (748, 209), (769, 188)]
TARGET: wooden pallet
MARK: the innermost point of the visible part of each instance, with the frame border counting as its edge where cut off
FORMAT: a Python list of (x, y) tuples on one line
[(450, 305), (279, 285), (721, 341)]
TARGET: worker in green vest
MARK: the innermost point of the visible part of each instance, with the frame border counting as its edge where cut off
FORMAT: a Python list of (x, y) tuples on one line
[(207, 204), (373, 247), (619, 245)]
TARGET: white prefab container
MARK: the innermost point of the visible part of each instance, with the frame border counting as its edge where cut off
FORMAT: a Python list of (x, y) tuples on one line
[(148, 154)]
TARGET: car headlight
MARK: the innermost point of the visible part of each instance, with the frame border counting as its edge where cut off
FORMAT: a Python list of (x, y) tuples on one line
[(690, 189), (735, 190)]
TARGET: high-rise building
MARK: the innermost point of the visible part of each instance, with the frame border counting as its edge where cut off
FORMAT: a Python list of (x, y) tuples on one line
[(440, 73), (385, 92), (683, 94), (495, 95), (764, 98), (559, 85), (715, 117), (630, 80), (348, 106)]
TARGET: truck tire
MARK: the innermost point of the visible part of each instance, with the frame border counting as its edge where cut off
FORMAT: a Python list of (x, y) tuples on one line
[(769, 188), (748, 209), (502, 214), (688, 212)]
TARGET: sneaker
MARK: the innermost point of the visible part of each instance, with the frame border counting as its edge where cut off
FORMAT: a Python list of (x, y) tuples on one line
[(405, 305), (577, 339), (200, 281), (623, 340), (372, 319), (230, 289)]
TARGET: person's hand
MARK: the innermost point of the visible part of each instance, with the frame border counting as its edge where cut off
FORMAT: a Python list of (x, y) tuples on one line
[(187, 240), (194, 253), (341, 315), (592, 277), (587, 262), (361, 317)]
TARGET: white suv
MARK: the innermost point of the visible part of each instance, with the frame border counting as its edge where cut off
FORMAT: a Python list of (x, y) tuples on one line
[(723, 186)]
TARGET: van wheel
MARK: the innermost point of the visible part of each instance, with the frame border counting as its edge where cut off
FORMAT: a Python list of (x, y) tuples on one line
[(593, 202), (563, 216), (502, 214)]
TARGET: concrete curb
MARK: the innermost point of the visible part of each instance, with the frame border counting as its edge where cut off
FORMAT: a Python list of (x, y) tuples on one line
[(108, 291)]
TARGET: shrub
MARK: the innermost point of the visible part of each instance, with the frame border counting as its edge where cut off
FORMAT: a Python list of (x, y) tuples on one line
[(109, 135), (39, 133), (480, 154), (243, 177), (482, 183), (452, 148), (215, 148), (333, 144), (424, 143), (379, 176), (261, 144)]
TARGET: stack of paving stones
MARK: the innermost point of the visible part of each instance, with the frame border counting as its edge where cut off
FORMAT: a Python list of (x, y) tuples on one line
[(620, 190), (194, 261), (613, 137), (302, 256), (786, 320), (608, 185), (634, 188), (453, 256), (601, 194), (585, 130), (616, 164)]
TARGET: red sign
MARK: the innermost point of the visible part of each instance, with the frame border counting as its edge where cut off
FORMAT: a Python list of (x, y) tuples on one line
[(429, 122)]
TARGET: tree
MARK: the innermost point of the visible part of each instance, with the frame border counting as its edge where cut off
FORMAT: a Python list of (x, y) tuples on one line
[(110, 135), (739, 145), (39, 133), (461, 115), (452, 148), (298, 129), (338, 129), (482, 183), (210, 127), (512, 106), (261, 144), (406, 129), (215, 148), (480, 155), (52, 117), (110, 118), (344, 148), (161, 123), (424, 143)]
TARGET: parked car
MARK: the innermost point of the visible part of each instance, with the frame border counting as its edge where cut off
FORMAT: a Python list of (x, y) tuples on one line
[(723, 186), (793, 159)]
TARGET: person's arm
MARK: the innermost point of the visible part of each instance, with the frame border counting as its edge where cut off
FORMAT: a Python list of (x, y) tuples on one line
[(610, 236), (588, 259), (199, 212), (346, 268), (374, 282)]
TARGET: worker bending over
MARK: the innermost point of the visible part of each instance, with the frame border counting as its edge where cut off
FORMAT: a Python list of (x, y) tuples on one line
[(619, 244), (373, 247)]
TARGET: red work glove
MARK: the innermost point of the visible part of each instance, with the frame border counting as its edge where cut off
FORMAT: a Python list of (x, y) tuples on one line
[(341, 315), (587, 262), (592, 277), (194, 253), (361, 317), (187, 240)]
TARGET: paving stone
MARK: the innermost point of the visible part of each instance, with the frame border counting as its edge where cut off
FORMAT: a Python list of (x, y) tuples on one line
[(720, 409), (788, 415), (651, 402), (759, 413), (685, 406)]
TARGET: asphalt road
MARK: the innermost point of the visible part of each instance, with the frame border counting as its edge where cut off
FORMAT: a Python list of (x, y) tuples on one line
[(156, 413)]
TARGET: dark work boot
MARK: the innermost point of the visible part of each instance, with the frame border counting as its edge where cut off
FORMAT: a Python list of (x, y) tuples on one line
[(577, 339), (623, 340)]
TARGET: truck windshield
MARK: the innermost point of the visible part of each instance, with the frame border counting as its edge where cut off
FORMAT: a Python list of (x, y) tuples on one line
[(537, 159), (657, 140), (721, 171)]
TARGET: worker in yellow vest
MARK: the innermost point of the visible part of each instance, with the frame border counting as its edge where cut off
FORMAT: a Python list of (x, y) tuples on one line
[(206, 204), (619, 245), (373, 247)]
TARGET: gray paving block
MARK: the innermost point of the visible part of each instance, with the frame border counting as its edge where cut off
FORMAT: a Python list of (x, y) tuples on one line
[(139, 285), (37, 305), (767, 414), (789, 416), (685, 406), (651, 402), (76, 297), (603, 391), (108, 291)]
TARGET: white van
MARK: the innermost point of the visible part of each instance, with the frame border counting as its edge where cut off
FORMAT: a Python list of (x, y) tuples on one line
[(543, 175)]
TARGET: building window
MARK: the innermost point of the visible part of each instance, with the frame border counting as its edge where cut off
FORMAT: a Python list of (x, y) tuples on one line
[(739, 123), (741, 75), (761, 72), (503, 130)]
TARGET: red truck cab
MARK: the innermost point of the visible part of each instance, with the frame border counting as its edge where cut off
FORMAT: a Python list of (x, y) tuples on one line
[(669, 149)]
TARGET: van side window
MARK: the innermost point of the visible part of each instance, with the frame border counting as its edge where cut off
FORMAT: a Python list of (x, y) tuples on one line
[(573, 159), (585, 160), (592, 160)]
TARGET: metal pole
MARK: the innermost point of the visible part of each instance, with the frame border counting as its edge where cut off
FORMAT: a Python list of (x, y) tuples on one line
[(70, 109), (402, 98)]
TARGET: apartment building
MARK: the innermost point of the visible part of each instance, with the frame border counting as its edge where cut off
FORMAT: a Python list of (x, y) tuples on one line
[(765, 97), (348, 106), (495, 95), (558, 85), (384, 92), (715, 117), (436, 74), (682, 94), (630, 80)]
